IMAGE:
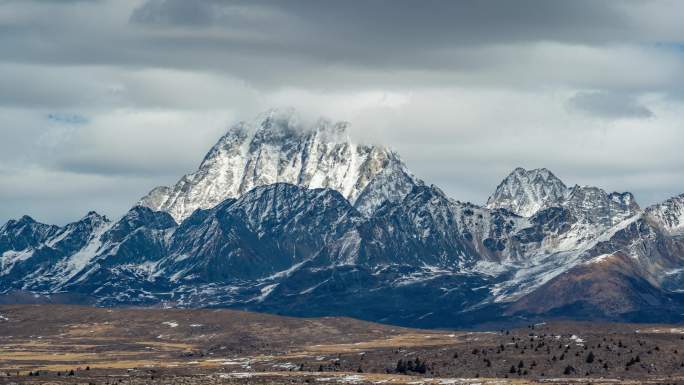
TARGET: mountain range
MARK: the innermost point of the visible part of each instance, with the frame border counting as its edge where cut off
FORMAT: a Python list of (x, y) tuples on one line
[(294, 218)]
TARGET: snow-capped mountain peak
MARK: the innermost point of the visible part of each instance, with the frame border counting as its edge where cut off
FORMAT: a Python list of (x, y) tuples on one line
[(525, 192), (669, 214), (277, 146)]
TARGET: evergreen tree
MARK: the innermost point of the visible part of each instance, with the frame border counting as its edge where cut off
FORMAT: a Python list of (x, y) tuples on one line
[(409, 366), (419, 366), (590, 357), (401, 367)]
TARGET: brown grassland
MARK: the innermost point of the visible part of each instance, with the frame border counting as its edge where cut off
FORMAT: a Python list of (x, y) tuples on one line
[(55, 344)]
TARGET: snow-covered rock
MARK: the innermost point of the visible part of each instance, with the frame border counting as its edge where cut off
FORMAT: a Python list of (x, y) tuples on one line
[(595, 205), (278, 146), (669, 214), (525, 192)]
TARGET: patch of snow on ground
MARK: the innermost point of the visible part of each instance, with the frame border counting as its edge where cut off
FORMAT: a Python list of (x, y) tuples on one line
[(352, 379), (286, 366), (245, 363), (237, 375), (662, 331), (578, 340), (171, 324), (349, 379)]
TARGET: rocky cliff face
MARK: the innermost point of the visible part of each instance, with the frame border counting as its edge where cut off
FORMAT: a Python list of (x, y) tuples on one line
[(278, 147), (669, 214), (525, 192)]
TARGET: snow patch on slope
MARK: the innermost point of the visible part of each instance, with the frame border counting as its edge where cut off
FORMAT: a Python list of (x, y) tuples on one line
[(78, 261), (548, 264), (11, 257)]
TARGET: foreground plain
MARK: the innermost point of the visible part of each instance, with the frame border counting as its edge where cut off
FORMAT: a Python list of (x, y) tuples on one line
[(55, 344)]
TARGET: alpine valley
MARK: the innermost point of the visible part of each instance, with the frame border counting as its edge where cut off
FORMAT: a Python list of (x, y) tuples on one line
[(294, 218)]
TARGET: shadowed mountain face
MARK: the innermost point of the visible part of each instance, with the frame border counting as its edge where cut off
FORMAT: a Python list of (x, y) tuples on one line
[(296, 219)]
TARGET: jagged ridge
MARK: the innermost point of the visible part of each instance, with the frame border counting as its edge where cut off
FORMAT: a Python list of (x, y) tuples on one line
[(351, 228), (525, 192), (279, 147)]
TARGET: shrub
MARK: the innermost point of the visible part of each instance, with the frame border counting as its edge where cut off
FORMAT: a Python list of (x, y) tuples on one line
[(590, 357)]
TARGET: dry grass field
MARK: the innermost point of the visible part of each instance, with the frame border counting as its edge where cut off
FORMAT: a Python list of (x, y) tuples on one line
[(54, 344)]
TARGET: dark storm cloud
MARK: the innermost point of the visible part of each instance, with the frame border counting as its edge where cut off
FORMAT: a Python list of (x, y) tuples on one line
[(379, 35), (395, 33), (407, 22), (334, 44), (386, 35)]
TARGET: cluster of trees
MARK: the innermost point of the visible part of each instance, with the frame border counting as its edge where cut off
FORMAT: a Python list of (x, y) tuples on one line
[(59, 374), (415, 366), (37, 373), (632, 361), (520, 369), (564, 351)]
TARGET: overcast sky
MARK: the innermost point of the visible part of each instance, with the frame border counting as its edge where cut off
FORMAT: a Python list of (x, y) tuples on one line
[(102, 100)]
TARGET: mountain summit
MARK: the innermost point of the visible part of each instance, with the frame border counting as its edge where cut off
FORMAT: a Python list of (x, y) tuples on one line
[(278, 147), (525, 192)]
